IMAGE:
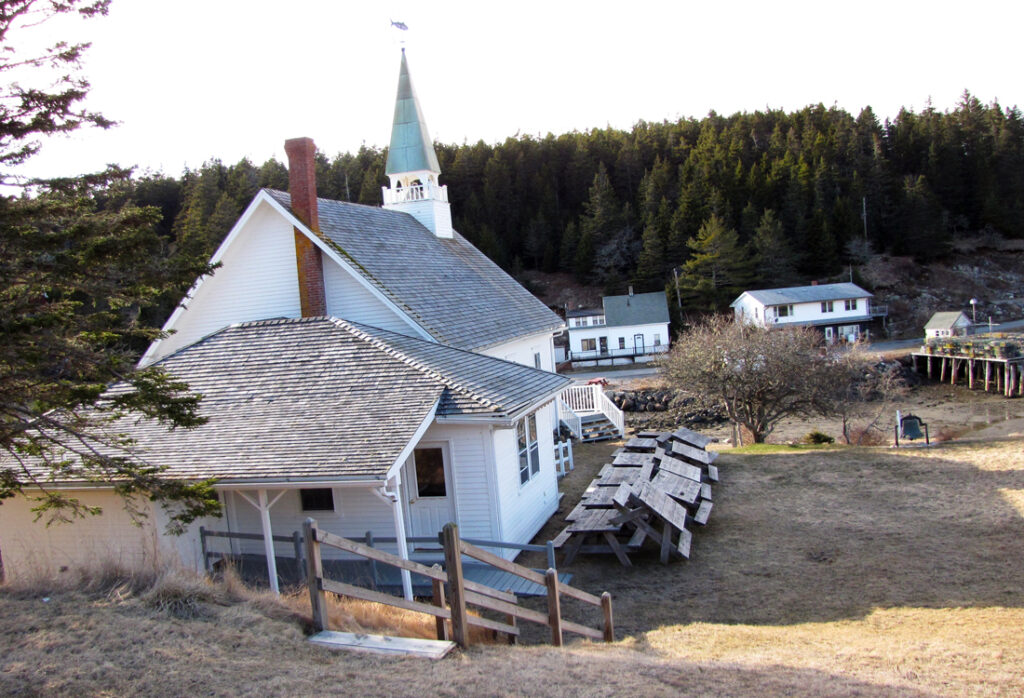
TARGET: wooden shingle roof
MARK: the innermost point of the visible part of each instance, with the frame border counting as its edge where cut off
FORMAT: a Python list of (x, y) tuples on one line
[(447, 286), (319, 399)]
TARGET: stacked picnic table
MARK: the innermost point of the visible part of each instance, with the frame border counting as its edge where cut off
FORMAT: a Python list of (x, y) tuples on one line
[(655, 485)]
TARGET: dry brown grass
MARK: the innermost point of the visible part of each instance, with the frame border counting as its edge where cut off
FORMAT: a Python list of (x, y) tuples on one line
[(846, 572)]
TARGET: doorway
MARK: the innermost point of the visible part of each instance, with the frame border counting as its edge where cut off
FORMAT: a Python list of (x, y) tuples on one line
[(430, 497), (638, 343)]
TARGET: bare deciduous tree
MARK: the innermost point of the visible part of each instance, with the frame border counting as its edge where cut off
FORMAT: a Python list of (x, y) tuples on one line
[(758, 375)]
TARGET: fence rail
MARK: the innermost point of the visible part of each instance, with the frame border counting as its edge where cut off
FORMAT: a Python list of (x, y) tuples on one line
[(450, 609), (295, 539)]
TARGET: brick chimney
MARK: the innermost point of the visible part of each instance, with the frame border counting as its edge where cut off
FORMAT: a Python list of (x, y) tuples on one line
[(308, 261)]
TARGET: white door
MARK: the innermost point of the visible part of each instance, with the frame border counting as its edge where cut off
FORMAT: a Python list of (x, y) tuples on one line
[(429, 487), (638, 343), (828, 335)]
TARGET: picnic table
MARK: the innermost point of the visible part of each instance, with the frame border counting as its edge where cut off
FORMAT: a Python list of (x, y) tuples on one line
[(654, 486)]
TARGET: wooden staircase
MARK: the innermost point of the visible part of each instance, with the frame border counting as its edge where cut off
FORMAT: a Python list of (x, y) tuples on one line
[(597, 427)]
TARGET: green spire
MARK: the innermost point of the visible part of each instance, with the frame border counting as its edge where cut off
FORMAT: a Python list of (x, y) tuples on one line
[(411, 148)]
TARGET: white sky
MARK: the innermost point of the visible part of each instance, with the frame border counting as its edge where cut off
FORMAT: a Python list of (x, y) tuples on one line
[(191, 80)]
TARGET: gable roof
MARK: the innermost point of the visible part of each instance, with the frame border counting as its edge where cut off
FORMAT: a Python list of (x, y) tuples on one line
[(947, 320), (447, 286), (806, 294), (638, 309), (320, 399)]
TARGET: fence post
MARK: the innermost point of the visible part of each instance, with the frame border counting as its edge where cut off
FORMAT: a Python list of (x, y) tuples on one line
[(551, 553), (314, 577), (299, 564), (202, 547), (373, 563), (442, 626), (609, 627), (554, 607), (453, 563)]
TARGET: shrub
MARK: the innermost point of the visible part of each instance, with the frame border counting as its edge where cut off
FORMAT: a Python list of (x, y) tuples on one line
[(817, 437)]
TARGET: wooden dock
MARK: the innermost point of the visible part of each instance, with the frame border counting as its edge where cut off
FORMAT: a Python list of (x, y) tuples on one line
[(1003, 375)]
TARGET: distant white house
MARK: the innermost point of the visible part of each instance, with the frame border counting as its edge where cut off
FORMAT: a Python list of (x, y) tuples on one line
[(843, 312), (632, 327), (947, 324)]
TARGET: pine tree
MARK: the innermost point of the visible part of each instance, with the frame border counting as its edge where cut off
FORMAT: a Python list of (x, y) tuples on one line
[(719, 268), (775, 261)]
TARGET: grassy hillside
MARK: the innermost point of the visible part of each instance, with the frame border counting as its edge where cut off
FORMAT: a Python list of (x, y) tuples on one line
[(843, 572)]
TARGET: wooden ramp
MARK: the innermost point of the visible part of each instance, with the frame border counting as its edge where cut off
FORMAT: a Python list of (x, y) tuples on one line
[(383, 644)]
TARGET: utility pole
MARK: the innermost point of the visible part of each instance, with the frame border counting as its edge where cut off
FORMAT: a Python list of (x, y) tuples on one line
[(864, 214), (675, 273)]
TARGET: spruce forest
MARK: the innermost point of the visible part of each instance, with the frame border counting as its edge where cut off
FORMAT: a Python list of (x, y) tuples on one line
[(757, 199)]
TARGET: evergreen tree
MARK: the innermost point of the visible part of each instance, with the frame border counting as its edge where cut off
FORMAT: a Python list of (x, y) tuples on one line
[(775, 261), (81, 266), (719, 269)]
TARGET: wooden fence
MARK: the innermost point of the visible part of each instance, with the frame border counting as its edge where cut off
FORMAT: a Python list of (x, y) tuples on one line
[(450, 609), (295, 539)]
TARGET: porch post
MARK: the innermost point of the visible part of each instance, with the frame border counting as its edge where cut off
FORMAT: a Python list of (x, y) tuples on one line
[(268, 540), (403, 546)]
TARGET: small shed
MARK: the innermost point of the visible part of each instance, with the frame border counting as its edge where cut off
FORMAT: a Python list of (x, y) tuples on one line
[(947, 324)]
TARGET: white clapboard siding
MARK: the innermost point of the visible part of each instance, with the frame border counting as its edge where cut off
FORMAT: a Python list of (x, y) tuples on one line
[(521, 350), (350, 300), (356, 511), (472, 474), (32, 548), (525, 508), (235, 293)]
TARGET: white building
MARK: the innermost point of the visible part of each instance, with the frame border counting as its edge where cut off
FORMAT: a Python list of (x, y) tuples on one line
[(347, 376), (947, 324), (632, 327), (843, 312)]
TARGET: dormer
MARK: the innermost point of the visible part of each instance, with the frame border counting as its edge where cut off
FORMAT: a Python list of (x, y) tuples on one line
[(412, 165)]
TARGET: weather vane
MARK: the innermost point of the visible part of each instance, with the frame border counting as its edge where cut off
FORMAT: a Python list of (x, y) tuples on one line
[(401, 26)]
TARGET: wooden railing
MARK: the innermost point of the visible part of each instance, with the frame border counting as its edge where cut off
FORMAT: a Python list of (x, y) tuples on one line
[(571, 419), (581, 398), (610, 410), (295, 539), (450, 610), (590, 399)]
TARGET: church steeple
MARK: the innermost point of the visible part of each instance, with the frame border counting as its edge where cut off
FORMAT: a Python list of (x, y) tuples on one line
[(412, 165)]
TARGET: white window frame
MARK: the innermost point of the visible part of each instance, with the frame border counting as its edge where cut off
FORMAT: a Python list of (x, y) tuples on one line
[(851, 303), (657, 339), (528, 450), (827, 307), (583, 344)]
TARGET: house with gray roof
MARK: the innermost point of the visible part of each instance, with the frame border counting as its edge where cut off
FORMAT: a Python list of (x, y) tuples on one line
[(366, 366), (841, 312), (947, 324), (629, 328)]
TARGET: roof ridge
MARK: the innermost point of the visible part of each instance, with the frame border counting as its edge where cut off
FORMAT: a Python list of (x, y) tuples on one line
[(414, 363)]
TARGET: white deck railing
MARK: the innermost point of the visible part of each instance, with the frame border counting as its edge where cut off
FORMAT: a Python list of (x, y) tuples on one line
[(571, 419), (611, 411), (590, 399), (581, 398)]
